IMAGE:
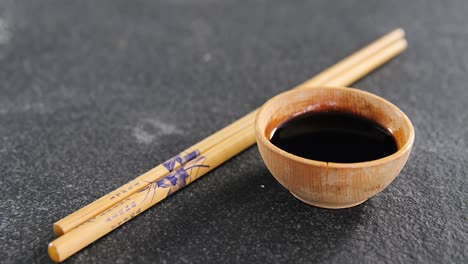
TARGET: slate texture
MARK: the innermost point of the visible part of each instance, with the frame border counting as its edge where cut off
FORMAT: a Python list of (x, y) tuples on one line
[(94, 93)]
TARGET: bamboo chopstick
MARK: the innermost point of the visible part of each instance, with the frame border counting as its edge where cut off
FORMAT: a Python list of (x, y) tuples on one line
[(82, 215), (371, 64), (96, 227), (356, 58), (85, 234)]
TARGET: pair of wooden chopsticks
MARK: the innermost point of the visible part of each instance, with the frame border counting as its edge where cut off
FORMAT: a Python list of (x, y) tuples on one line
[(93, 221)]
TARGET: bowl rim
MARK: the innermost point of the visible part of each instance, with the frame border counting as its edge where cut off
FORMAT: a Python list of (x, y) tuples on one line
[(402, 151)]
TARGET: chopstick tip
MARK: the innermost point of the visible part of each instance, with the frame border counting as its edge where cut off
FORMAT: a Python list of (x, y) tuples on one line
[(404, 43), (400, 31)]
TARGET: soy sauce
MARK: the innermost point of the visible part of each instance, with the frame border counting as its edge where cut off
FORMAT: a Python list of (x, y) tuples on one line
[(334, 137)]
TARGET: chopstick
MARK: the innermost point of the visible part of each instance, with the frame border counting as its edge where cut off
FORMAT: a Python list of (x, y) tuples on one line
[(82, 215), (355, 73), (348, 63), (96, 227)]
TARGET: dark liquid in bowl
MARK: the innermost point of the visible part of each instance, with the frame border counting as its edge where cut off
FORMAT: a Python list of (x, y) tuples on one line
[(334, 137)]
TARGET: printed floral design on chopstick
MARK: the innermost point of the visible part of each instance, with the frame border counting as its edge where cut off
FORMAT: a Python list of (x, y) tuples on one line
[(170, 163), (177, 179)]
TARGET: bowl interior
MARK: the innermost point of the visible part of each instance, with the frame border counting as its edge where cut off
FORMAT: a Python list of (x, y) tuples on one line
[(289, 104)]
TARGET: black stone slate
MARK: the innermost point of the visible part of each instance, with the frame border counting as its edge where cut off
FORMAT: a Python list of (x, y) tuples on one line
[(94, 93)]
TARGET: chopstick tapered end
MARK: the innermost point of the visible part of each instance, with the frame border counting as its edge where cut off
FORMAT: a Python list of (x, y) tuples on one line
[(400, 32), (401, 45), (405, 43)]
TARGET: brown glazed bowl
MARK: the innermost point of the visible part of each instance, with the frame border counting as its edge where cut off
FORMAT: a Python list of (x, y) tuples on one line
[(328, 184)]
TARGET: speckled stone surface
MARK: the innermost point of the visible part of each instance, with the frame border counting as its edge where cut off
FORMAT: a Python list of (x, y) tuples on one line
[(93, 93)]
